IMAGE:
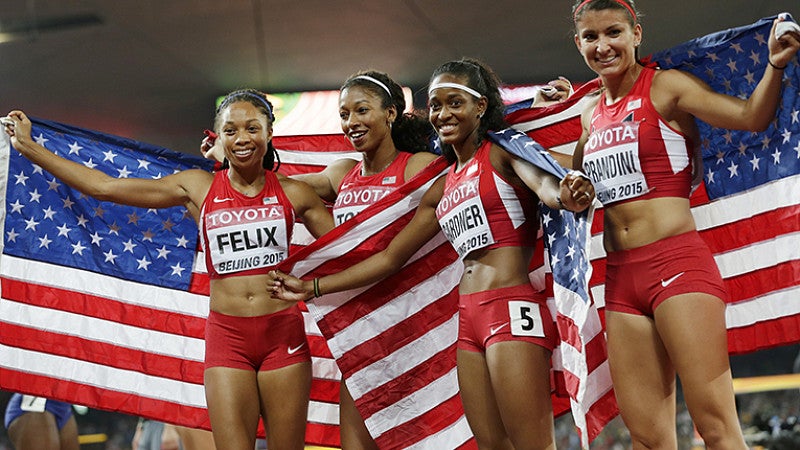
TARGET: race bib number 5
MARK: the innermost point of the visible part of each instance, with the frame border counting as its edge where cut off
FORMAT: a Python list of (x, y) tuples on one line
[(526, 320)]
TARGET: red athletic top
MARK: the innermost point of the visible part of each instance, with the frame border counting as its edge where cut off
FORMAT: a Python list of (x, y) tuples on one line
[(245, 235), (480, 209), (356, 191), (632, 153)]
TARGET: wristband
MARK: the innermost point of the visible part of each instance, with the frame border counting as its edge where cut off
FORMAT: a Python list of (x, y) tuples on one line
[(316, 288), (774, 66), (560, 203)]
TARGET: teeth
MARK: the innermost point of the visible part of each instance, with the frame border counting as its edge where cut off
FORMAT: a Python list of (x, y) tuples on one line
[(357, 134)]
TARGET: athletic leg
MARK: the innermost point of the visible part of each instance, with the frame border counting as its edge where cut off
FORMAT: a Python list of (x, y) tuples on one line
[(284, 397), (34, 431), (480, 405), (233, 406), (195, 438), (68, 435), (644, 380), (693, 329), (520, 377), (352, 429)]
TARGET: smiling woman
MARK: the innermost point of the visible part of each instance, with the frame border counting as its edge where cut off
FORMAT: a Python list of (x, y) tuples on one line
[(257, 358), (640, 146), (487, 206)]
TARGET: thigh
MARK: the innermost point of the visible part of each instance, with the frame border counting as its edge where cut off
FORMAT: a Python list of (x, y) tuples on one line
[(480, 404), (643, 377), (520, 374), (352, 429), (284, 396), (34, 430), (233, 406), (195, 438), (68, 435), (695, 335)]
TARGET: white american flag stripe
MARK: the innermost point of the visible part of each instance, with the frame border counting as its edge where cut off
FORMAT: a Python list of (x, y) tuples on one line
[(129, 381)]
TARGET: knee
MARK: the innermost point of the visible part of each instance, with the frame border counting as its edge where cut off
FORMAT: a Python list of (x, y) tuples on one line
[(653, 438), (718, 434), (492, 441)]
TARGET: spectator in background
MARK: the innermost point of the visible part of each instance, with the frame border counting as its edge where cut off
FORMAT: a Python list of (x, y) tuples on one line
[(37, 423)]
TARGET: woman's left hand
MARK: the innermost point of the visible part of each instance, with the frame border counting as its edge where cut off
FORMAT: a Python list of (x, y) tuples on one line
[(781, 51)]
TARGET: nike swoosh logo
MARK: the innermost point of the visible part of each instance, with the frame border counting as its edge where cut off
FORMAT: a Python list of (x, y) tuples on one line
[(221, 200), (495, 330), (293, 350), (665, 283)]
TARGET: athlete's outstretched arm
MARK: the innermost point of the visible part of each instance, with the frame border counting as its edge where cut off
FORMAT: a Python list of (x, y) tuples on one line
[(422, 227)]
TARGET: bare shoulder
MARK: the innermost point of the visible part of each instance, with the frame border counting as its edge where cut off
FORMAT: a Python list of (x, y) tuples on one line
[(193, 178), (673, 82), (343, 164), (417, 162)]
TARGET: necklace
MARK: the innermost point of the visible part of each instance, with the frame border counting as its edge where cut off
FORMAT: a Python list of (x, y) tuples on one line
[(364, 168)]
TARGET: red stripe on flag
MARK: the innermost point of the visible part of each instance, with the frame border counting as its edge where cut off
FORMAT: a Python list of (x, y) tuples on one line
[(102, 353), (102, 308), (107, 399)]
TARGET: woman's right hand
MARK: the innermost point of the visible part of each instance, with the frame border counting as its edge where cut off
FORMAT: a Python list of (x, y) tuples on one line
[(290, 288), (211, 148)]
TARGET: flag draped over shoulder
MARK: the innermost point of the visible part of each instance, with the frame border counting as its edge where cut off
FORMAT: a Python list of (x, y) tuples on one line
[(104, 305), (582, 380), (394, 341), (401, 331)]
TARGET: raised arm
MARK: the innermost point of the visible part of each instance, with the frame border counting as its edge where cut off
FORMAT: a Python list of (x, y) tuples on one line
[(422, 227), (186, 188), (689, 94)]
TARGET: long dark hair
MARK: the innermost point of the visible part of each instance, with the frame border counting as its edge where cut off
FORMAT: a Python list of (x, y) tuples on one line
[(258, 99), (411, 132), (482, 78)]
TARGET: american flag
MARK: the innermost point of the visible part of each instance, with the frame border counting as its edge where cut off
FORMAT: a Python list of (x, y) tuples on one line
[(401, 332), (746, 209), (104, 305)]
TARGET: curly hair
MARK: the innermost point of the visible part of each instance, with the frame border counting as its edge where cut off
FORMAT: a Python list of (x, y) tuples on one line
[(411, 132)]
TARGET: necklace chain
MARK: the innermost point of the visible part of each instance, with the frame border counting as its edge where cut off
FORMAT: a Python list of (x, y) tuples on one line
[(364, 168)]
